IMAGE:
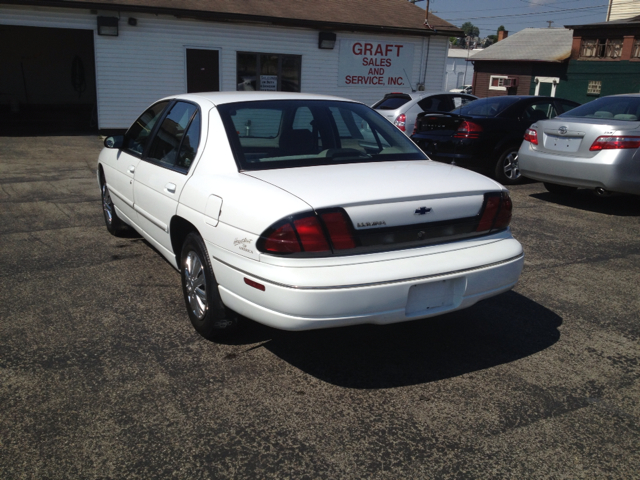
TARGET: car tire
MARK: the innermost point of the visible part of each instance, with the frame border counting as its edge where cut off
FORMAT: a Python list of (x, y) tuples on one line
[(559, 189), (115, 226), (207, 313), (507, 171)]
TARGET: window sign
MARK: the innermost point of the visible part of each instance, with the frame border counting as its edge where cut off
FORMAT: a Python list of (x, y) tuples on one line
[(269, 83), (375, 64)]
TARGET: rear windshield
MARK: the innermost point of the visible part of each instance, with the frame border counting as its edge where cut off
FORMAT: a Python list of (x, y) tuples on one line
[(613, 108), (298, 133), (487, 107), (392, 103)]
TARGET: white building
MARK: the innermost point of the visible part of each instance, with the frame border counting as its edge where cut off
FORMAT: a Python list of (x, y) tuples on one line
[(110, 59), (621, 9), (459, 71)]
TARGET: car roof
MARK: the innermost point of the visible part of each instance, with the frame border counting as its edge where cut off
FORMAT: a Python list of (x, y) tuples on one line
[(220, 98)]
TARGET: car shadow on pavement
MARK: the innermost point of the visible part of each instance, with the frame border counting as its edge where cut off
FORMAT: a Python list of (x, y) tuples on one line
[(496, 331), (616, 204)]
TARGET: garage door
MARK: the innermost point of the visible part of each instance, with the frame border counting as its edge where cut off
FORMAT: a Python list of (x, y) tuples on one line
[(47, 85)]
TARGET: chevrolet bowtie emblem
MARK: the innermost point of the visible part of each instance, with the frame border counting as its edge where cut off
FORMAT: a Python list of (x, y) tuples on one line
[(422, 211)]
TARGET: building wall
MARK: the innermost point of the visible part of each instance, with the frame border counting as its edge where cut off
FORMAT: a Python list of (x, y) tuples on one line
[(615, 78), (620, 9), (148, 61), (526, 72), (458, 68), (484, 71)]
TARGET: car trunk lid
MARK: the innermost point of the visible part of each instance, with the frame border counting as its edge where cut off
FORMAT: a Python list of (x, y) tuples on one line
[(392, 204), (574, 137)]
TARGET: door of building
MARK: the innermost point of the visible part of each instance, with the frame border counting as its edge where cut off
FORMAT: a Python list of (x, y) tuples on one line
[(203, 71)]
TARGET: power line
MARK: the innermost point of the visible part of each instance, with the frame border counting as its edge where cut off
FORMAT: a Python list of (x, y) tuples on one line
[(528, 14)]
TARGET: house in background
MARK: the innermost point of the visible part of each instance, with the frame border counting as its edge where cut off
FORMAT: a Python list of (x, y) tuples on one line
[(621, 9), (605, 60), (530, 62), (71, 64), (459, 70)]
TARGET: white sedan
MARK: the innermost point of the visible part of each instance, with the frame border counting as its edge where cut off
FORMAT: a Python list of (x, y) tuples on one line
[(304, 211)]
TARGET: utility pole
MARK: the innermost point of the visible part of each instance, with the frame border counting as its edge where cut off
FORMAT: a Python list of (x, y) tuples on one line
[(549, 22)]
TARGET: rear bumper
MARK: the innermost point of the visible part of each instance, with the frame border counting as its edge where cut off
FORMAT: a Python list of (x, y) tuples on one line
[(613, 170), (377, 292)]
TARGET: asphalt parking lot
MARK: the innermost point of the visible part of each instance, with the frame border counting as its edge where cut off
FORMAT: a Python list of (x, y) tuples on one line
[(102, 375)]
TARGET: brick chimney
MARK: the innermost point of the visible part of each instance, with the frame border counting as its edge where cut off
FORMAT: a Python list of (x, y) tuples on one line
[(502, 34)]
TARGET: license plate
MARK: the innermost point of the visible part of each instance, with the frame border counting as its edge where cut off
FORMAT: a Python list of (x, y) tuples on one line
[(562, 144), (430, 296)]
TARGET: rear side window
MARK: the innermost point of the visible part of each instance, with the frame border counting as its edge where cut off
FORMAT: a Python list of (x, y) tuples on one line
[(136, 138), (611, 108), (392, 103), (166, 143), (488, 107)]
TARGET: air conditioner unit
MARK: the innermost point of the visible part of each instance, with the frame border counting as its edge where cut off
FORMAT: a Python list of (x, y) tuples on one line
[(510, 82)]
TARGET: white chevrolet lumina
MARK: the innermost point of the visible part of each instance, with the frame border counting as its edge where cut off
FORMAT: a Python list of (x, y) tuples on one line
[(304, 211)]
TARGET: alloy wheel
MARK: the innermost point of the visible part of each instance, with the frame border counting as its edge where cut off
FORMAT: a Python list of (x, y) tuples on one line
[(510, 166), (195, 284), (107, 204)]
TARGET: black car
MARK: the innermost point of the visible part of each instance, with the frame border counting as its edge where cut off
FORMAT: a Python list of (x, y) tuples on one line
[(485, 135)]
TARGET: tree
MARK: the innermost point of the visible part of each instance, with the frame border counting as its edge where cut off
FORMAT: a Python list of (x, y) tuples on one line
[(470, 29)]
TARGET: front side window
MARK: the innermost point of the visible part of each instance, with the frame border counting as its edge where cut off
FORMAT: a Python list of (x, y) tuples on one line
[(166, 145), (539, 111), (311, 132), (136, 138), (268, 72)]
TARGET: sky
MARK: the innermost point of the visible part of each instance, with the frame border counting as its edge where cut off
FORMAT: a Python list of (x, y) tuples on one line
[(516, 15)]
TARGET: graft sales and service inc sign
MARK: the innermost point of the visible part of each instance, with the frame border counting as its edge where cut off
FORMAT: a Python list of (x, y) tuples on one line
[(381, 64)]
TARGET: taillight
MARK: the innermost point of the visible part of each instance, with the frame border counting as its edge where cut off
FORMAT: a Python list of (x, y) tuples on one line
[(339, 228), (468, 130), (531, 135), (401, 121), (496, 214), (614, 143), (282, 240), (326, 232)]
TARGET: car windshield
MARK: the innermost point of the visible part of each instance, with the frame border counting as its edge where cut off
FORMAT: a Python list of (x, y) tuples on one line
[(299, 133), (392, 103), (613, 108), (487, 107)]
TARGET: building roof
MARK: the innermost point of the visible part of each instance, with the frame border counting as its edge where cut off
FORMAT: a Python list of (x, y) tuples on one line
[(388, 16), (463, 52), (624, 22), (531, 45)]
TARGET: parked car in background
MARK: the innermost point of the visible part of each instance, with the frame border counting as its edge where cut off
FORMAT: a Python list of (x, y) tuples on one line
[(485, 135), (593, 146), (463, 89), (275, 206), (401, 109)]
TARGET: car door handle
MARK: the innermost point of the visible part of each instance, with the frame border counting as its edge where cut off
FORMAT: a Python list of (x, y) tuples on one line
[(132, 169), (171, 187)]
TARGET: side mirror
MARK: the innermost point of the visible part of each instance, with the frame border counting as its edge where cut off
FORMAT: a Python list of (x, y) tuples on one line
[(114, 142)]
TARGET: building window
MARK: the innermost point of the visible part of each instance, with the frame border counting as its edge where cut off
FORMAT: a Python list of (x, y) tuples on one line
[(594, 88), (268, 72), (601, 48), (497, 82), (635, 53)]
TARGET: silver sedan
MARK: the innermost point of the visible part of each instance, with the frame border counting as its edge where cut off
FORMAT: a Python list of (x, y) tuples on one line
[(596, 145)]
